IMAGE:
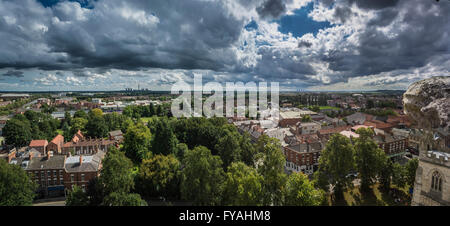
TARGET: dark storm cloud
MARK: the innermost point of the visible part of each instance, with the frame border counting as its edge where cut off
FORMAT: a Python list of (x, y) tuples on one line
[(138, 35), (277, 64), (421, 37), (11, 73), (425, 37), (374, 4), (117, 34), (271, 9), (342, 13), (304, 44), (384, 18)]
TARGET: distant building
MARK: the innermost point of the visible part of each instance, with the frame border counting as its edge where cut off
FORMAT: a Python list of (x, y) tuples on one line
[(116, 135), (39, 145), (303, 157), (48, 173), (56, 144), (79, 170), (308, 127)]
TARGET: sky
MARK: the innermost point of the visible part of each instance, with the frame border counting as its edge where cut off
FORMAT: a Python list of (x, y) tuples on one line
[(316, 45)]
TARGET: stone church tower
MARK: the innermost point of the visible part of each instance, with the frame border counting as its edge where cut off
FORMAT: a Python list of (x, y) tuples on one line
[(427, 103)]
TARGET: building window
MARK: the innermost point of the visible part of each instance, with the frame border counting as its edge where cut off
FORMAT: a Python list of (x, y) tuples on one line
[(436, 181), (72, 177), (54, 173), (82, 177), (48, 174)]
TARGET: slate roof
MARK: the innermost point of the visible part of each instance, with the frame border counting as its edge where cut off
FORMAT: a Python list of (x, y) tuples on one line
[(39, 163), (115, 133), (90, 163)]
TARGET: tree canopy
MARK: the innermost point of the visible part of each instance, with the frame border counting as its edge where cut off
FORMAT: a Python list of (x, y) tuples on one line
[(202, 177), (16, 187)]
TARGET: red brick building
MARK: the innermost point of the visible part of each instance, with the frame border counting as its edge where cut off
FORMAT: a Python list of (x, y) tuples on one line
[(303, 157), (56, 144), (39, 145), (79, 170)]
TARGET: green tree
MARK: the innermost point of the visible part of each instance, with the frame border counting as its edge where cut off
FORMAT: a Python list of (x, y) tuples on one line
[(78, 124), (95, 192), (66, 131), (68, 118), (369, 158), (159, 176), (301, 192), (116, 174), (80, 114), (248, 150), (271, 167), (17, 132), (16, 187), (242, 186), (306, 118), (136, 142), (202, 177), (114, 121), (152, 110), (181, 150), (96, 126), (164, 140), (159, 110), (96, 112), (314, 108), (411, 168), (399, 175), (228, 147), (123, 199), (77, 197), (337, 161), (386, 174)]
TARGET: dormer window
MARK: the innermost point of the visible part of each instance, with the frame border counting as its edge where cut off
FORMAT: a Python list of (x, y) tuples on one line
[(436, 182)]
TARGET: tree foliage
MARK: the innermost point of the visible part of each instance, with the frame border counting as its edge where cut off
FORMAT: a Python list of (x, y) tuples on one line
[(17, 132), (136, 142), (202, 177), (77, 197), (369, 158), (271, 167), (116, 174), (16, 187), (301, 192), (242, 186), (337, 161), (159, 176)]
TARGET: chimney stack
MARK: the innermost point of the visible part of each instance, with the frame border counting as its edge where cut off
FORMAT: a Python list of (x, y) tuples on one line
[(81, 159), (49, 154)]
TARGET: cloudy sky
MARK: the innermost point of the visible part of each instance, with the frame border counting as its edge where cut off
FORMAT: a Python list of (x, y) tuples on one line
[(302, 44)]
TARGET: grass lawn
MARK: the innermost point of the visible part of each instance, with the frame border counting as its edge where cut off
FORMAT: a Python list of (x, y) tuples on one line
[(329, 107), (376, 197)]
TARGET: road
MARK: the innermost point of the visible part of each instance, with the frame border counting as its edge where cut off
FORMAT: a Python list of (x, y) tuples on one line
[(60, 201)]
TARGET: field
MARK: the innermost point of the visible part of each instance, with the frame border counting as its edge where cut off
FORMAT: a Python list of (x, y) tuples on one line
[(329, 107), (376, 197)]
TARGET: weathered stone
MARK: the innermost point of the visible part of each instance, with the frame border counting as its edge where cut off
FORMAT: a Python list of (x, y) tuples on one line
[(427, 103)]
